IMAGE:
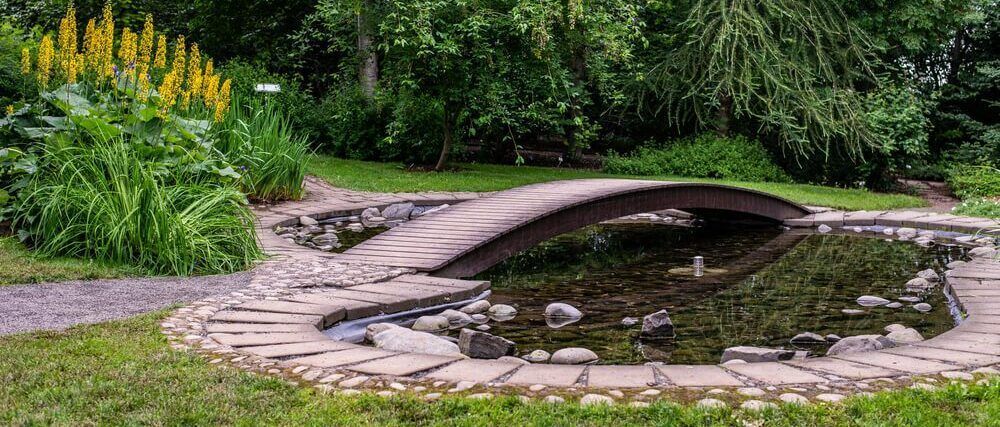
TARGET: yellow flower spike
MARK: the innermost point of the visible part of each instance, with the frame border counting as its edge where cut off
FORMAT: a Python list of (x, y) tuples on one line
[(211, 91), (194, 71), (25, 61), (67, 43), (81, 63), (161, 52), (106, 43), (44, 65), (142, 92), (127, 52), (10, 110), (168, 94), (222, 104), (90, 44), (179, 56), (186, 101), (146, 46), (209, 69)]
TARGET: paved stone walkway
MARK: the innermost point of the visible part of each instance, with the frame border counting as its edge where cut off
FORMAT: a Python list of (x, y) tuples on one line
[(274, 325)]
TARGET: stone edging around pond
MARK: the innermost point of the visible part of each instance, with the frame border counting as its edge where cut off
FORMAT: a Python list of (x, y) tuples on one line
[(274, 327)]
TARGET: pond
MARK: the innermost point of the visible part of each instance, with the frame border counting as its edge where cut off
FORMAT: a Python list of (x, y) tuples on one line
[(762, 286)]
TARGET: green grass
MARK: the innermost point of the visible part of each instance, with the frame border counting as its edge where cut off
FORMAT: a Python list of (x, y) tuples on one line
[(122, 373), (388, 177), (23, 266)]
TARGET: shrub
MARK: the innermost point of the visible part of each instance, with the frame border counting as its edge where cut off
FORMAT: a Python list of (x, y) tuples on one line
[(707, 156), (258, 138), (974, 181), (108, 203)]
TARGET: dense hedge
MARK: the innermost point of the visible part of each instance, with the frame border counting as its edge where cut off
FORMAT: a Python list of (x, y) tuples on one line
[(707, 156)]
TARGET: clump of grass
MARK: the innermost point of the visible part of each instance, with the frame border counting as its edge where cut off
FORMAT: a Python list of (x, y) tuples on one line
[(259, 138), (106, 202)]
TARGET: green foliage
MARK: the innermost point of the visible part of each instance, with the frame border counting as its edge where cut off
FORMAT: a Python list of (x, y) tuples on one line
[(13, 84), (974, 181), (979, 207), (707, 156), (897, 117), (257, 137), (784, 69), (107, 202)]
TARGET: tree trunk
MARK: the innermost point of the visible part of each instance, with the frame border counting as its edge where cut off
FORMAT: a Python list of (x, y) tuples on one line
[(448, 128), (724, 115), (578, 65), (368, 68)]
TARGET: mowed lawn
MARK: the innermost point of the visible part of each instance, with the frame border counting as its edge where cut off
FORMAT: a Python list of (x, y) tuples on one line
[(123, 373), (19, 265), (394, 178)]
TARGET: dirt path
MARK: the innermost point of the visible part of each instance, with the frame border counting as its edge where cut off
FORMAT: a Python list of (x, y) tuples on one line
[(936, 193)]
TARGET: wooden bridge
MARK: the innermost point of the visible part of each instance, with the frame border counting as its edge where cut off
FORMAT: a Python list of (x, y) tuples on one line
[(472, 236)]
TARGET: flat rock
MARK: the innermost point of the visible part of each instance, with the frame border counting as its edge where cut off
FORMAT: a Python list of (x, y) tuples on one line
[(852, 311), (573, 356), (481, 345), (982, 252), (398, 211), (756, 354), (859, 343), (922, 307), (793, 398)]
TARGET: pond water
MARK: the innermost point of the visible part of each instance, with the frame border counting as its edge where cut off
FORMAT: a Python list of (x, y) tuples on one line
[(762, 287)]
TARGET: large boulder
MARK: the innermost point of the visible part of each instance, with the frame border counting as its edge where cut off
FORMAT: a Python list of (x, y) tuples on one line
[(559, 309), (573, 356), (398, 211), (431, 324), (481, 345), (657, 325), (756, 354), (409, 341), (860, 343)]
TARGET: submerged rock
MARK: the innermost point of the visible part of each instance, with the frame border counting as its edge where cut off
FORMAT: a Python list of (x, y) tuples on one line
[(456, 318), (860, 343), (409, 341), (481, 345), (852, 311), (910, 299), (871, 301), (807, 338), (502, 310), (629, 321), (756, 354), (573, 356), (559, 309), (823, 228), (657, 325), (922, 307)]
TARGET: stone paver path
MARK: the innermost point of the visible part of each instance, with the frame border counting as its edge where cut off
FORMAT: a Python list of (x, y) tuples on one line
[(273, 326)]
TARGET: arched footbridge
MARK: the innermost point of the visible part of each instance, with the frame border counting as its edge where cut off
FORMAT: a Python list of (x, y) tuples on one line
[(472, 236)]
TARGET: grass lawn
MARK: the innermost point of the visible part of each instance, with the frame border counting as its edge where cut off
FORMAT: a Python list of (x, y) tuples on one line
[(389, 177), (123, 373), (19, 265)]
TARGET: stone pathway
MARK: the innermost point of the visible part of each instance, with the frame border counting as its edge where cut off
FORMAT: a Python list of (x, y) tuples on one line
[(936, 193), (274, 325)]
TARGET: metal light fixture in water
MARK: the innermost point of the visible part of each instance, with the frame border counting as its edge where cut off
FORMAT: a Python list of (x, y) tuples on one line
[(699, 266)]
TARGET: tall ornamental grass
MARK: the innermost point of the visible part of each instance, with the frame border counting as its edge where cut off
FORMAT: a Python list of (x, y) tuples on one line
[(105, 202), (259, 138)]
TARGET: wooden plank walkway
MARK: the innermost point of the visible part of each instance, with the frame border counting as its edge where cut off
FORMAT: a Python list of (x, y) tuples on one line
[(433, 242)]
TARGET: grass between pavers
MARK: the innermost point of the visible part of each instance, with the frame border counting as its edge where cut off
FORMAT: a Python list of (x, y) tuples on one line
[(18, 265), (124, 373), (392, 178)]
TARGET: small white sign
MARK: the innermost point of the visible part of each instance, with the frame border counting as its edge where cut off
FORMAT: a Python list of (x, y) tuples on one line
[(268, 87)]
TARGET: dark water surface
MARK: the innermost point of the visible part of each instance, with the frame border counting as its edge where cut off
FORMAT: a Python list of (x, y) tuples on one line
[(763, 287)]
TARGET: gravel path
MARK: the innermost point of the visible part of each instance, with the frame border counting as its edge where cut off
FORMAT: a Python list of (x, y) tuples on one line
[(61, 305)]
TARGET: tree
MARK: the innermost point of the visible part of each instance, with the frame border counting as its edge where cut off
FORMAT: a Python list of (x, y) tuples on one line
[(781, 68)]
